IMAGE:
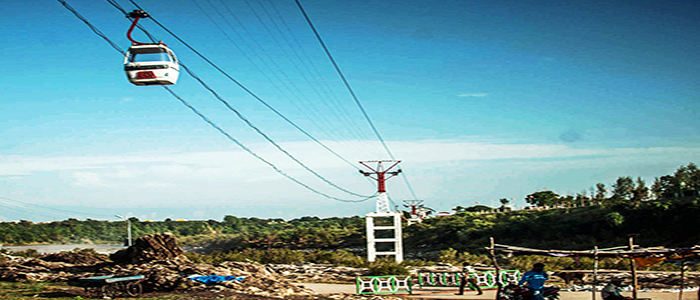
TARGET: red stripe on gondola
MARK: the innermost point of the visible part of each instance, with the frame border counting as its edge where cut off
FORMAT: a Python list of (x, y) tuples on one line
[(145, 75)]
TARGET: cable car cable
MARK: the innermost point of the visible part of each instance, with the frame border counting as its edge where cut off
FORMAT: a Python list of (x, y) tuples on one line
[(247, 90), (251, 125), (274, 167), (318, 116), (93, 28), (345, 81), (58, 211), (352, 92), (279, 15), (239, 84), (357, 133), (337, 68), (321, 92), (259, 51), (116, 47), (211, 123)]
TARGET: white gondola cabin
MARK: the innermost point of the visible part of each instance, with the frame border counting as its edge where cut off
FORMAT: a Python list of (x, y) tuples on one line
[(151, 64)]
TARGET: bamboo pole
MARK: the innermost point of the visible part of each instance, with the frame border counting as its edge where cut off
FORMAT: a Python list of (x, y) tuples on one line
[(595, 271), (633, 267), (492, 253), (680, 293)]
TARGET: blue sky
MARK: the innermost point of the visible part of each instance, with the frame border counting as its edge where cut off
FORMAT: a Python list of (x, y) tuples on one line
[(481, 100)]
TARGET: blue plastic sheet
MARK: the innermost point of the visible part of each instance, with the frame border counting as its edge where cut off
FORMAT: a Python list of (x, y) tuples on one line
[(216, 278)]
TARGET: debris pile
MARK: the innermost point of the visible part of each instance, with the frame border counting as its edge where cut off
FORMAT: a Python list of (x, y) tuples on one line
[(22, 269), (81, 258), (160, 260), (150, 248), (171, 275), (165, 268)]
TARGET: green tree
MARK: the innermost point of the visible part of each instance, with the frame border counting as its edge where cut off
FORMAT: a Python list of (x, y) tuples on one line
[(568, 201), (693, 183), (504, 203), (665, 187), (477, 208), (542, 198), (600, 192), (581, 200), (687, 180), (615, 219), (623, 187), (640, 192)]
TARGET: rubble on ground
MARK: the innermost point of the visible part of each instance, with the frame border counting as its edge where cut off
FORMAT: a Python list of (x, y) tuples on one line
[(165, 268), (150, 248), (162, 263), (81, 258)]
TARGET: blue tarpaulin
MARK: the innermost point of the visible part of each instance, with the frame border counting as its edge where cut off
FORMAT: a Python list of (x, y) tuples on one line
[(216, 278)]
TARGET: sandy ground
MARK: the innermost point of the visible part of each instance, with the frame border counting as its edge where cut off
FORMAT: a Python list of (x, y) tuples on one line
[(46, 249), (449, 293)]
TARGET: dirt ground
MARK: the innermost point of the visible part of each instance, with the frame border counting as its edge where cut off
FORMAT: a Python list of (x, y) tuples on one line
[(428, 293), (449, 293)]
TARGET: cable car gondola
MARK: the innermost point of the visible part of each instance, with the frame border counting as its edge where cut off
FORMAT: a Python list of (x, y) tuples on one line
[(149, 63)]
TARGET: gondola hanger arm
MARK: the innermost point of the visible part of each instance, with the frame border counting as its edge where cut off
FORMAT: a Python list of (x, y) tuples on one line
[(137, 15)]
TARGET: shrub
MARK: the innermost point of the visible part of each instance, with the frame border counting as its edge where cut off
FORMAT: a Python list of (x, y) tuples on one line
[(614, 219), (386, 267), (30, 253)]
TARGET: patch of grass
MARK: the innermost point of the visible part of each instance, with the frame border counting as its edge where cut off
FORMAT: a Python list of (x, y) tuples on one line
[(32, 290), (62, 291)]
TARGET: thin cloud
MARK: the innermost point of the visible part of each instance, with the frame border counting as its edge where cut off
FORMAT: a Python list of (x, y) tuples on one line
[(171, 169), (474, 95), (233, 178), (133, 166), (89, 179)]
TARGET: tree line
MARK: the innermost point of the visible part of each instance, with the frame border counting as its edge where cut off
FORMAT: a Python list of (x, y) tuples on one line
[(231, 232), (663, 214), (684, 183)]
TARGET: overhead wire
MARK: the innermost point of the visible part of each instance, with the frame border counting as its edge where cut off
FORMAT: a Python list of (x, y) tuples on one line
[(323, 92), (32, 207), (277, 69), (248, 122), (265, 136), (274, 167), (29, 212), (333, 97), (291, 88), (211, 123), (351, 91), (350, 122), (298, 62), (244, 88)]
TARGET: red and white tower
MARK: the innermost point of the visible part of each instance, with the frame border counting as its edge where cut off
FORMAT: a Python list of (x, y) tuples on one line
[(418, 211), (390, 221)]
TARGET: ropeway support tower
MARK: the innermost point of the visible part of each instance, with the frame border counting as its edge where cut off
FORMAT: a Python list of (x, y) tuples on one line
[(390, 241)]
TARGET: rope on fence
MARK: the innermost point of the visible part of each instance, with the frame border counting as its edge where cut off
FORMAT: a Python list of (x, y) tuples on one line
[(383, 284), (485, 279)]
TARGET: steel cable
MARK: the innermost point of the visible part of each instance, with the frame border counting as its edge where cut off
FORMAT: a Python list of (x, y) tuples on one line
[(211, 123), (352, 92)]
